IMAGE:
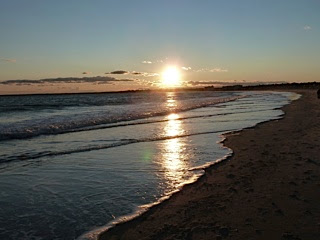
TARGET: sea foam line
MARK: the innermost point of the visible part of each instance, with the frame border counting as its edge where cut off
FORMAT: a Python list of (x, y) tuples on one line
[(124, 142), (52, 129)]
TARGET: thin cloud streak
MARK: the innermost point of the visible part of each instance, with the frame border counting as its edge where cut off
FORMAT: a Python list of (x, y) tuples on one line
[(307, 27), (118, 72), (197, 83), (10, 60), (144, 74), (217, 70), (136, 73), (152, 62), (240, 82), (186, 68), (94, 80)]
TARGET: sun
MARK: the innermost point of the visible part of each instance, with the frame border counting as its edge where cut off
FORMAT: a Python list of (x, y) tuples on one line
[(171, 77)]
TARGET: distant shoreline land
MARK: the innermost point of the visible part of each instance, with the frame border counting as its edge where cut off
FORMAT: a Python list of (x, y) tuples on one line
[(229, 87)]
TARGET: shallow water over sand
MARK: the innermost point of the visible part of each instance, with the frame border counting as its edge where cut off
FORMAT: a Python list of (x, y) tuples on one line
[(106, 160)]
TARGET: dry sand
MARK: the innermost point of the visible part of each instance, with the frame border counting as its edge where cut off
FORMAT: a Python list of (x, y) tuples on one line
[(269, 188)]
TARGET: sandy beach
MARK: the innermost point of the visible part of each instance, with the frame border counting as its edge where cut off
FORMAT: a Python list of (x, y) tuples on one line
[(268, 189)]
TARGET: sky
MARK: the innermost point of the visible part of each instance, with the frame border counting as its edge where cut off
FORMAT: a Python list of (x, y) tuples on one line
[(104, 45)]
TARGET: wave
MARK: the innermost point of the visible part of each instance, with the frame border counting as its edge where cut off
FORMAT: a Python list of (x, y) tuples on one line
[(121, 142), (90, 121)]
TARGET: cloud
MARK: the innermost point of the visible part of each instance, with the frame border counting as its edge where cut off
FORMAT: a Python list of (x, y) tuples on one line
[(86, 72), (196, 83), (307, 27), (95, 80), (219, 70), (147, 62), (118, 72), (186, 68), (10, 60), (242, 82), (137, 73), (144, 74)]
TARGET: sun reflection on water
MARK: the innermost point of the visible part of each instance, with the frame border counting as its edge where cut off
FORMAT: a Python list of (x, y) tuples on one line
[(174, 158), (171, 102)]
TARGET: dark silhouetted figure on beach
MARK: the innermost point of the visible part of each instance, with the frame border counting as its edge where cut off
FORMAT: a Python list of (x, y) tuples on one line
[(318, 92)]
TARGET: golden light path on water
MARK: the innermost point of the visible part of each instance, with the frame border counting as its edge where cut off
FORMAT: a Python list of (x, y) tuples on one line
[(174, 159)]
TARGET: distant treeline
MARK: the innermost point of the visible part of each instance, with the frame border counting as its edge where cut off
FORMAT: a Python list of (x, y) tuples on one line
[(308, 85)]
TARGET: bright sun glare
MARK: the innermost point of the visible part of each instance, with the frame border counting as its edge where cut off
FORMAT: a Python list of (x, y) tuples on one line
[(171, 77)]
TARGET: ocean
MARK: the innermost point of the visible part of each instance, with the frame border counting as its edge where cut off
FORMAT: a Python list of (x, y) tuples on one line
[(71, 165)]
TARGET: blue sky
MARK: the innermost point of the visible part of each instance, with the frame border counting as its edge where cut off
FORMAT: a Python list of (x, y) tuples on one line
[(247, 40)]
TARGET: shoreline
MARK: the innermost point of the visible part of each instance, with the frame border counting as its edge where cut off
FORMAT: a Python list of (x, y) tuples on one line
[(263, 87), (182, 217)]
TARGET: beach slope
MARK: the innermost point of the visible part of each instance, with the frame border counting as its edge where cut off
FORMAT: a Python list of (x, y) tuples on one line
[(268, 189)]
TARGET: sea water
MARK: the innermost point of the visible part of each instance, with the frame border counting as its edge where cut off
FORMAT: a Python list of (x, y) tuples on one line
[(70, 164)]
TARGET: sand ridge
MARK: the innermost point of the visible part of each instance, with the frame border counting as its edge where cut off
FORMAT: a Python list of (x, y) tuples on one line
[(268, 189)]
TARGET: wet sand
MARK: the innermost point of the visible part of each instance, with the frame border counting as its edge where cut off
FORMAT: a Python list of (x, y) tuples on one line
[(268, 189)]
